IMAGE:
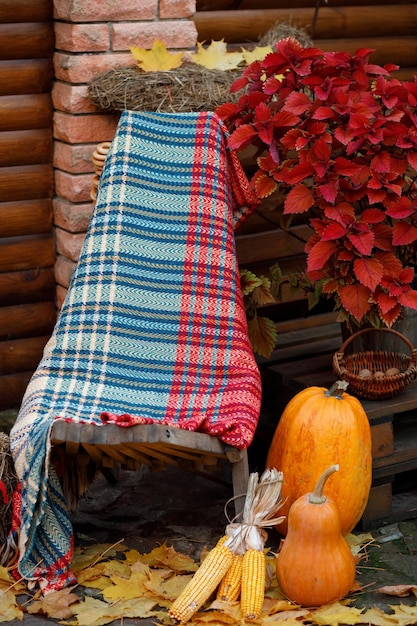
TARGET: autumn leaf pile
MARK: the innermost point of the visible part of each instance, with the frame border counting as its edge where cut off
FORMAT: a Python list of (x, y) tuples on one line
[(116, 582)]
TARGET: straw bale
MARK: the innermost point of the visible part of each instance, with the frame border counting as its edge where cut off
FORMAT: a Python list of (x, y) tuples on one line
[(188, 88), (9, 480)]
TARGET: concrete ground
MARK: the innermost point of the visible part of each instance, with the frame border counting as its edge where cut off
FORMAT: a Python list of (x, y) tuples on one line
[(187, 511)]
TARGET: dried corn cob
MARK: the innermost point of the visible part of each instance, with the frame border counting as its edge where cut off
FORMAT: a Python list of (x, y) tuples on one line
[(229, 589), (253, 584), (203, 583)]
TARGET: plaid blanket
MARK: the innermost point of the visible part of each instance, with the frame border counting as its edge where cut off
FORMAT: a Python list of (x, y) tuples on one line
[(153, 329)]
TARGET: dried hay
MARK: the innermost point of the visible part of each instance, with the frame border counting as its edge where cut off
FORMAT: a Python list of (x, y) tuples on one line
[(282, 30), (188, 88), (9, 481)]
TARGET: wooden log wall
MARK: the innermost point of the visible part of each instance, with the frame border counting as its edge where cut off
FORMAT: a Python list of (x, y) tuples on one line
[(386, 26), (27, 253)]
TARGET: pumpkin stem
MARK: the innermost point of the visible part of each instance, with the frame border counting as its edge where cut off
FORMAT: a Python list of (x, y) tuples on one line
[(337, 389), (317, 496)]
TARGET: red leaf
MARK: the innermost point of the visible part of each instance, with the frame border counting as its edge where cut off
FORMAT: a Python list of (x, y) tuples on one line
[(285, 118), (368, 271), (412, 159), (409, 299), (403, 234), (355, 299), (373, 216), (381, 163), (344, 167), (319, 254), (299, 200), (363, 242), (224, 111), (390, 316), (386, 302), (401, 208), (329, 190), (295, 174), (263, 184), (242, 136), (297, 103), (334, 231), (392, 265)]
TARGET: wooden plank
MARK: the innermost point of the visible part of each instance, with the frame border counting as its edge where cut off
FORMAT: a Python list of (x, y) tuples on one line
[(25, 217), (27, 182), (27, 320), (26, 11), (21, 355), (28, 40), (26, 76), (271, 245), (21, 253), (25, 147), (336, 23), (12, 388), (378, 506), (239, 5), (24, 112), (32, 285)]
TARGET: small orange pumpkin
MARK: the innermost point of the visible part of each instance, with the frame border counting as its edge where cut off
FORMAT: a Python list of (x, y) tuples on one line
[(315, 564), (320, 427)]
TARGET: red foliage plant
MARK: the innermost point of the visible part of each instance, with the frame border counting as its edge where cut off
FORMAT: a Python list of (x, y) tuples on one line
[(338, 136)]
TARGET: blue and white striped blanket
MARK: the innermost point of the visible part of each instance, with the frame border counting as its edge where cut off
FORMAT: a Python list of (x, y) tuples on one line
[(153, 329)]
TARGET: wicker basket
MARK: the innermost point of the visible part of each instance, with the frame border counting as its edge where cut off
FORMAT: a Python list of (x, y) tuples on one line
[(352, 368)]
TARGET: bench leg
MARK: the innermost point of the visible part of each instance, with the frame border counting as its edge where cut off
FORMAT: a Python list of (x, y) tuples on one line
[(240, 477)]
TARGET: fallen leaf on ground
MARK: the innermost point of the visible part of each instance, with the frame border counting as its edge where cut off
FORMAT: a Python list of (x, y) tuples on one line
[(399, 590), (9, 608), (94, 612), (55, 604)]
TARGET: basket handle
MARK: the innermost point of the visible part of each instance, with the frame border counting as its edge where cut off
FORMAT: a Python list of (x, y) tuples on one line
[(385, 330)]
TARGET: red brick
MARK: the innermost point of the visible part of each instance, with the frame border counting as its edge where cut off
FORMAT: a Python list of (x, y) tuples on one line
[(73, 158), (104, 10), (73, 187), (74, 218), (174, 34), (64, 269), (84, 128), (81, 68), (69, 244), (82, 37), (72, 98), (60, 294), (169, 9)]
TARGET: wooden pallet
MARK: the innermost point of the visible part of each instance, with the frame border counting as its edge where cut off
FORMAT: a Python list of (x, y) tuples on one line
[(155, 446), (393, 421)]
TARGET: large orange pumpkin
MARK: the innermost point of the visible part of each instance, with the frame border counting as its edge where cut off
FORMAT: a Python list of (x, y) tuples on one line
[(318, 428)]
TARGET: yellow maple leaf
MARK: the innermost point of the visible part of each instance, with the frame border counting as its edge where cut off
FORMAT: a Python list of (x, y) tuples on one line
[(167, 556), (216, 56), (157, 59), (166, 591), (257, 54), (127, 588), (337, 613), (93, 612), (9, 609), (56, 604)]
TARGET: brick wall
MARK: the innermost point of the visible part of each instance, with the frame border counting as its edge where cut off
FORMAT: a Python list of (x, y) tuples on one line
[(91, 37)]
